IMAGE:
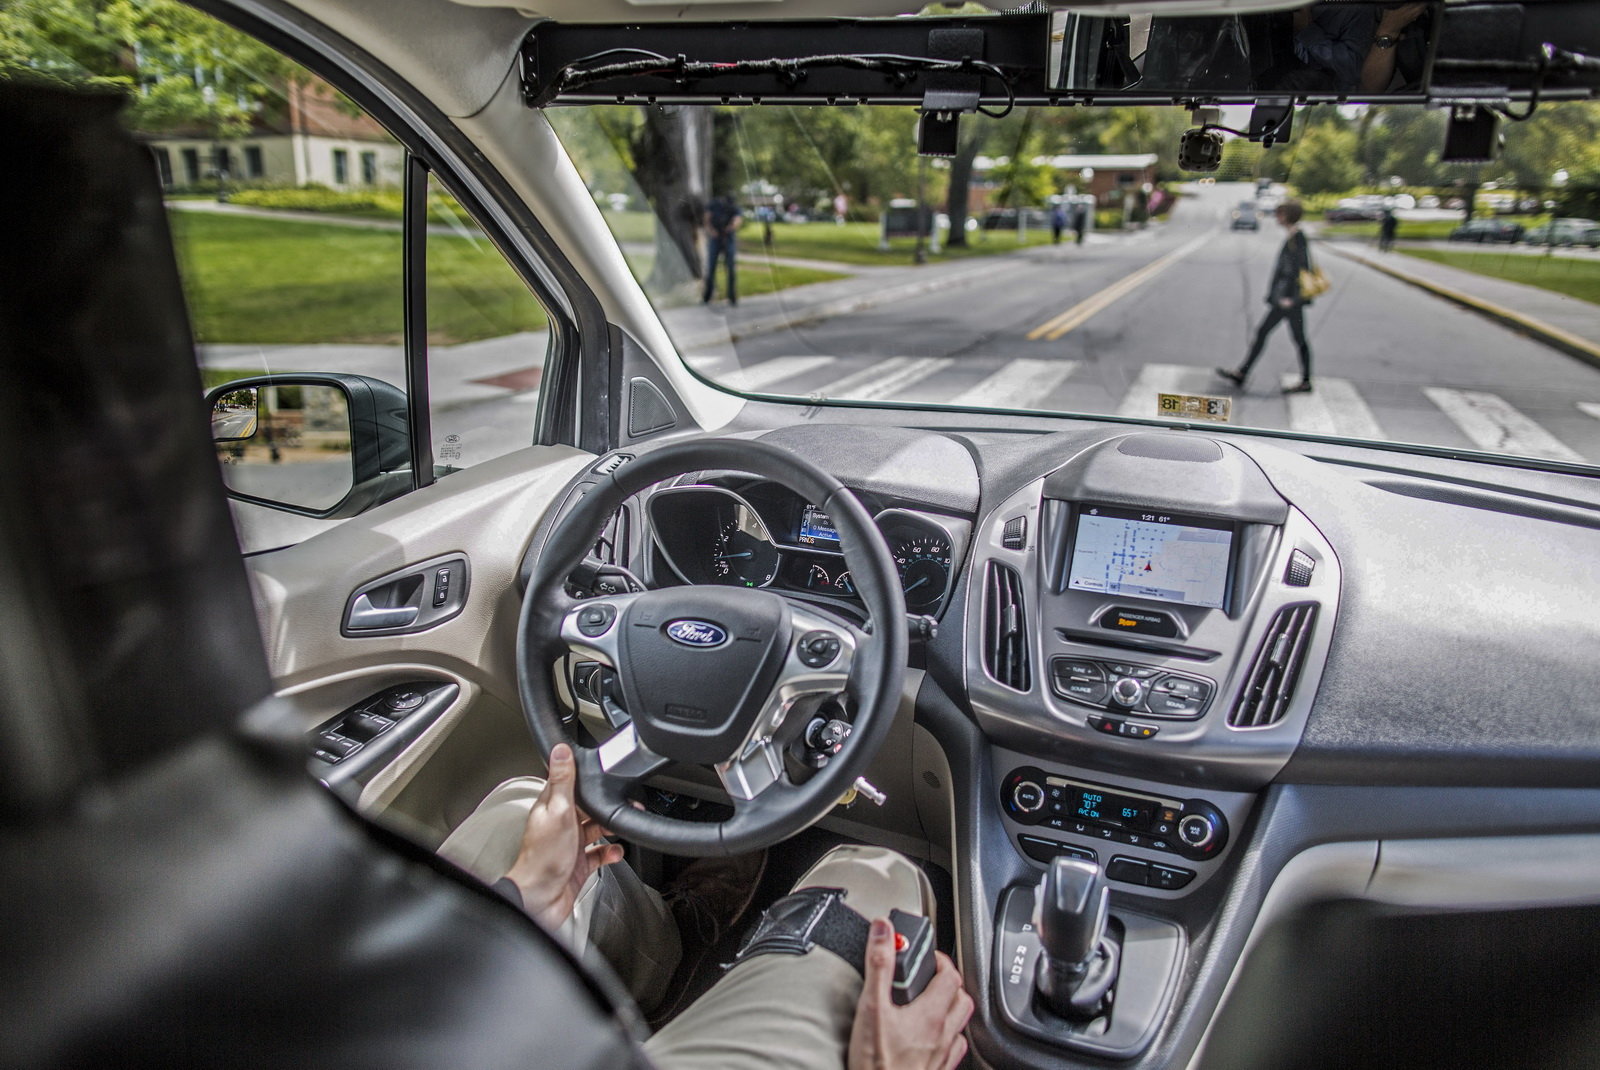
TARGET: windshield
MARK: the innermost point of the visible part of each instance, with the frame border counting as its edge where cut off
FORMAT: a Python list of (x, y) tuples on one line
[(1347, 283)]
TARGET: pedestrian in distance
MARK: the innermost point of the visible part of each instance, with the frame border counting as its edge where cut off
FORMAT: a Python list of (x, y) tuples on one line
[(722, 221), (1386, 230), (1058, 223), (1285, 301), (1080, 221)]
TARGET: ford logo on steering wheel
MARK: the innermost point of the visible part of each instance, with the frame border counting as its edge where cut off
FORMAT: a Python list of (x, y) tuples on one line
[(696, 633)]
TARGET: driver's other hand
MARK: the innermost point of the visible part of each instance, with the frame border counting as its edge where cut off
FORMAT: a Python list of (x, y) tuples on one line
[(925, 1034), (560, 846)]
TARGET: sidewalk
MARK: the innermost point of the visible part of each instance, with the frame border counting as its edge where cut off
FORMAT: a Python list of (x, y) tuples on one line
[(1563, 322)]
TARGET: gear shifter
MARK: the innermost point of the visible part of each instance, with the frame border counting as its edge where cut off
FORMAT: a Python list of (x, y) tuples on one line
[(1078, 965)]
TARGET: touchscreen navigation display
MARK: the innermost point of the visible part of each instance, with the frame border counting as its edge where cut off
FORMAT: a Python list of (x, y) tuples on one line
[(1145, 553)]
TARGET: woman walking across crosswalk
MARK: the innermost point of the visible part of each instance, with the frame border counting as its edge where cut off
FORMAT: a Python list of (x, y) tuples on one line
[(1286, 300)]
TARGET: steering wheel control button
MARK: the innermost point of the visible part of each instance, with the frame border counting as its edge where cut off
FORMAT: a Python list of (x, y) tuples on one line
[(1028, 797), (597, 619), (1139, 622), (818, 649)]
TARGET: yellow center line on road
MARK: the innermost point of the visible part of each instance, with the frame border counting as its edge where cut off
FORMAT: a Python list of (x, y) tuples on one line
[(1080, 313)]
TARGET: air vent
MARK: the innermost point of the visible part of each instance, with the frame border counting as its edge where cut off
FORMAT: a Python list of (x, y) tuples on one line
[(1005, 641), (1276, 669), (1015, 534), (610, 463)]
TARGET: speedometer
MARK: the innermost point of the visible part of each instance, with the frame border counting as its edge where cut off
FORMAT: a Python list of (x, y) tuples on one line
[(924, 564)]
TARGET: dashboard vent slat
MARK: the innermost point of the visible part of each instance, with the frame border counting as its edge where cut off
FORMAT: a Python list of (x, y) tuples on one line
[(1269, 685), (1005, 648)]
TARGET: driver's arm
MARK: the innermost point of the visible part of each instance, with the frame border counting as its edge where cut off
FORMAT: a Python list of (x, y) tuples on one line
[(561, 847), (924, 1034)]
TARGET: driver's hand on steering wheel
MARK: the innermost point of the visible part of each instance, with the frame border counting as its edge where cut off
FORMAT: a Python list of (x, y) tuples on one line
[(560, 846), (925, 1034)]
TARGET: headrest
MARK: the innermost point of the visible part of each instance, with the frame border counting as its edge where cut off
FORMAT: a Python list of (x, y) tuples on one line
[(126, 624)]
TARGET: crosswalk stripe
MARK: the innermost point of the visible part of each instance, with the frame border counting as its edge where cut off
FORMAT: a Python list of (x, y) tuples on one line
[(756, 376), (1333, 408), (1590, 407), (1021, 384), (885, 379), (1140, 400), (1080, 313), (1493, 424)]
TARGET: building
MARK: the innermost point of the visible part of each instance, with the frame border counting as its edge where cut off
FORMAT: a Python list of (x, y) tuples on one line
[(309, 137), (1109, 177)]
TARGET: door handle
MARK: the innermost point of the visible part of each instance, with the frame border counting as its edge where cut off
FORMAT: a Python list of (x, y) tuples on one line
[(364, 616)]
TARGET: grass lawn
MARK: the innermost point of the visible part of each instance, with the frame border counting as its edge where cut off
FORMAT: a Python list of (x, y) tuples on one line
[(279, 282), (857, 243), (1566, 275), (1432, 229)]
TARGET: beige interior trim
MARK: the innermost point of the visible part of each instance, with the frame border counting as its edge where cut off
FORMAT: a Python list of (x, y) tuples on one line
[(486, 513)]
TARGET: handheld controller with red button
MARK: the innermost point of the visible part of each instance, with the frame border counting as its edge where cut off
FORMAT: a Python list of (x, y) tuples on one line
[(914, 960)]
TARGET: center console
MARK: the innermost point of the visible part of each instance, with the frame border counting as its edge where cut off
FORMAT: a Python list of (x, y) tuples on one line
[(1147, 628)]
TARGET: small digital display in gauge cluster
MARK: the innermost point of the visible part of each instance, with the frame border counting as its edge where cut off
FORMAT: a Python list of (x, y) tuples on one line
[(816, 528)]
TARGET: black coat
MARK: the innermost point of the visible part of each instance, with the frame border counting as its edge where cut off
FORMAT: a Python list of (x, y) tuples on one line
[(1293, 258)]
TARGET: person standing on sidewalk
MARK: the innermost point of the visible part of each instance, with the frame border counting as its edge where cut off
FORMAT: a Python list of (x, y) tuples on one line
[(1284, 301), (1386, 230), (722, 221)]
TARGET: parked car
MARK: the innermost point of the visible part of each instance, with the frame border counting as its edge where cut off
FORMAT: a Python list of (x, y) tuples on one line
[(1487, 230), (1245, 217), (1355, 210), (1565, 233)]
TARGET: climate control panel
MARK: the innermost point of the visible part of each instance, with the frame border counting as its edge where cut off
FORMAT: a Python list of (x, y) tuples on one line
[(1190, 828)]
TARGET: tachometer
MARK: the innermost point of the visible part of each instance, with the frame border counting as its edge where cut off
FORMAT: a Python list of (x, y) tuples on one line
[(742, 555), (924, 563)]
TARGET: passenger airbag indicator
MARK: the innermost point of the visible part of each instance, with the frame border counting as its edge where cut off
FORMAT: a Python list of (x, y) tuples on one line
[(1139, 621)]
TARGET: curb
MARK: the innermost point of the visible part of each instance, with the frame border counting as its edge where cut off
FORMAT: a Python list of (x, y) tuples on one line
[(1552, 336)]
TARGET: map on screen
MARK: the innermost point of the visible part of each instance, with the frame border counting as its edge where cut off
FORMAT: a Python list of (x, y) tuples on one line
[(1151, 555)]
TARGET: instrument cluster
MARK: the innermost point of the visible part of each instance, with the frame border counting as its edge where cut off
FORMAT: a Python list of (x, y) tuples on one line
[(764, 535)]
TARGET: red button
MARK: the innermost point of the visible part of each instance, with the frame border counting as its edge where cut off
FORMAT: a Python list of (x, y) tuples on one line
[(900, 942)]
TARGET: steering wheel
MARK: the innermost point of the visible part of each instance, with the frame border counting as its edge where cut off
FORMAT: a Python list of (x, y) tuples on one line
[(710, 675)]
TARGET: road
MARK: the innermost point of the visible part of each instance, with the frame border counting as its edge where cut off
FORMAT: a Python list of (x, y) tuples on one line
[(1104, 327)]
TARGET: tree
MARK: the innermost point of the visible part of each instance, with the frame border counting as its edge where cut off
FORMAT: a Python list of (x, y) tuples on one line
[(183, 69), (1325, 160)]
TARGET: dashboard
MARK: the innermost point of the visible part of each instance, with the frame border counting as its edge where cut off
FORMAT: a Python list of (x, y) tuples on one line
[(1191, 658)]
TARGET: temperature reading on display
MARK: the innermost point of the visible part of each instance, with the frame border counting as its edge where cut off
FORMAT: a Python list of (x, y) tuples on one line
[(1115, 809), (1090, 805)]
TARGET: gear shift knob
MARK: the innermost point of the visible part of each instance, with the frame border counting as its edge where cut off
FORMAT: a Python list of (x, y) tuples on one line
[(1069, 911), (1079, 965)]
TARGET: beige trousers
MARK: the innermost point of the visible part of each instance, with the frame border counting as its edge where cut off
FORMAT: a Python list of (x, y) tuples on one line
[(771, 1012)]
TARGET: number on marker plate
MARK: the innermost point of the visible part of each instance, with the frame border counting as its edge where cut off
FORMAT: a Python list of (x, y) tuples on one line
[(1194, 407)]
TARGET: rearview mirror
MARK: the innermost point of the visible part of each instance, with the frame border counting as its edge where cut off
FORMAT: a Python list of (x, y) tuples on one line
[(327, 446), (1328, 49)]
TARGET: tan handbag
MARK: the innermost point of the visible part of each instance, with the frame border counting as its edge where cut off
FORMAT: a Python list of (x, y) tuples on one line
[(1313, 283)]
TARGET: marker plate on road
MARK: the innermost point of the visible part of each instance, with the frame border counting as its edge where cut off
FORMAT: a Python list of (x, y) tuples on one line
[(1194, 407)]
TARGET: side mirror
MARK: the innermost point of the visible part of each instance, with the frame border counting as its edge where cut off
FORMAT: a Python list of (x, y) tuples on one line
[(321, 445)]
